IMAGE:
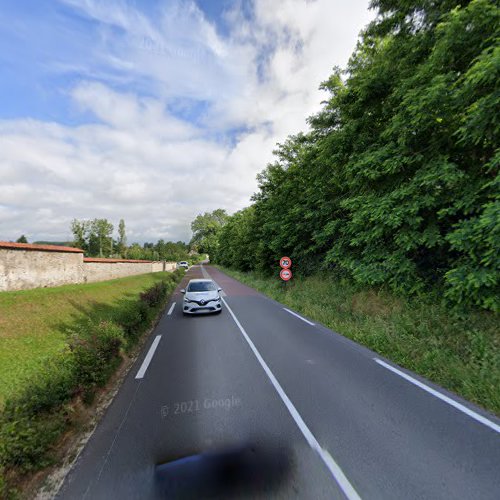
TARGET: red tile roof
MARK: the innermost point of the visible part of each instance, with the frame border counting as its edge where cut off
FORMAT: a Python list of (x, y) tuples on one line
[(40, 248), (112, 261)]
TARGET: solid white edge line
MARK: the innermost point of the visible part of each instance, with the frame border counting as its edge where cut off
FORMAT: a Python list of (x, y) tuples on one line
[(300, 317), (148, 358), (328, 460), (440, 396), (171, 309), (207, 276)]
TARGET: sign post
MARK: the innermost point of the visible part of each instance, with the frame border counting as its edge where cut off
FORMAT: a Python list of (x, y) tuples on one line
[(286, 272)]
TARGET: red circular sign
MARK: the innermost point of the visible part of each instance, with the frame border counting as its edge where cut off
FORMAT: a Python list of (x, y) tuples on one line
[(285, 262), (285, 274)]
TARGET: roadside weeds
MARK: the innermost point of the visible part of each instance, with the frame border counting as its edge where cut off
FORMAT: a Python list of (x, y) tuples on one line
[(456, 349)]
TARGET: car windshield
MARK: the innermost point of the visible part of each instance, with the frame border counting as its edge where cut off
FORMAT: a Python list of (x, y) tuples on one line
[(201, 286)]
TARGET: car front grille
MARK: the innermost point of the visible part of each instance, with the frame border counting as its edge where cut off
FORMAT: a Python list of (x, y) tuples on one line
[(204, 303)]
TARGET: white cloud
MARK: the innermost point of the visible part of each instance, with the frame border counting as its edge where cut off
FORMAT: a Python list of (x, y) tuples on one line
[(143, 163)]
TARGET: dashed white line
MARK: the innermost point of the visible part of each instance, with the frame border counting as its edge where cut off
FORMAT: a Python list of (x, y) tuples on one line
[(440, 396), (328, 460), (298, 316), (148, 358), (171, 309)]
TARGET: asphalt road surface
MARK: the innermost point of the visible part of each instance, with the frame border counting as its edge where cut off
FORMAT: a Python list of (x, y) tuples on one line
[(258, 402)]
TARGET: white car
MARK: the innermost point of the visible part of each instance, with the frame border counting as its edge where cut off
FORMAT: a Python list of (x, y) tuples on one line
[(183, 264), (201, 296)]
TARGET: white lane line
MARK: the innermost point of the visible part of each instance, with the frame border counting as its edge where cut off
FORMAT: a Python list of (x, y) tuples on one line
[(440, 396), (332, 466), (300, 317), (171, 309), (148, 358)]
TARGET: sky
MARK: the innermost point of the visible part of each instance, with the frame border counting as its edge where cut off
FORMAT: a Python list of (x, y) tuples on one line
[(154, 110)]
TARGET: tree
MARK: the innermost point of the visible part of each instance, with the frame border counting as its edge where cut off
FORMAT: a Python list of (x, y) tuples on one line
[(22, 239), (205, 230), (397, 182), (122, 238), (80, 230), (101, 230)]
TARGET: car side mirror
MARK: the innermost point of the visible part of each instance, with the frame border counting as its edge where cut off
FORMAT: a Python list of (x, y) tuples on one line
[(219, 289), (183, 291)]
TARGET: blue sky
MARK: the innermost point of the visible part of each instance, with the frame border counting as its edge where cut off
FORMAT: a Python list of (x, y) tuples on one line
[(154, 111)]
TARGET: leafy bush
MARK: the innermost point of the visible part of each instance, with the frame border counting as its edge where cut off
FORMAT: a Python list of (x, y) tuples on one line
[(35, 418), (155, 295), (24, 440), (94, 347), (53, 386), (132, 318)]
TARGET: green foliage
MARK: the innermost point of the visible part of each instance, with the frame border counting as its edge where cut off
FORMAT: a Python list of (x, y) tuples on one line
[(155, 295), (93, 236), (206, 228), (132, 317), (122, 238), (397, 182), (94, 346), (22, 239), (34, 418), (460, 352)]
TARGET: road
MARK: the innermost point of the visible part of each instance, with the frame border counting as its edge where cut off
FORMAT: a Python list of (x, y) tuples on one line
[(270, 405)]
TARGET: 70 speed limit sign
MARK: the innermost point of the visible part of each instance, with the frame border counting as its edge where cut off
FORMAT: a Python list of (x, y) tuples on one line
[(285, 262)]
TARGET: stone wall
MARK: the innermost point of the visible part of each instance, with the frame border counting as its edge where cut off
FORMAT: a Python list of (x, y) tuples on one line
[(101, 270), (156, 267), (24, 266)]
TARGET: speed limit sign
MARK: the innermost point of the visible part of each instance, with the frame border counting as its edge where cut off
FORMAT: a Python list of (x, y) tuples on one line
[(285, 274), (285, 262)]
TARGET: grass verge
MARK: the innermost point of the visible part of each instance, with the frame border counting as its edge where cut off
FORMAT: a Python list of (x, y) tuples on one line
[(102, 322), (34, 324), (459, 350)]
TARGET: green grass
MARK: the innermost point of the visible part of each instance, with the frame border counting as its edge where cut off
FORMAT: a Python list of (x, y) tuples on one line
[(459, 350), (34, 323)]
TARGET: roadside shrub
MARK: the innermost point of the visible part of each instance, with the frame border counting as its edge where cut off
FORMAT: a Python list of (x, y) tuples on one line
[(135, 317), (132, 318), (25, 439), (52, 387), (94, 347), (155, 295), (35, 418), (31, 420)]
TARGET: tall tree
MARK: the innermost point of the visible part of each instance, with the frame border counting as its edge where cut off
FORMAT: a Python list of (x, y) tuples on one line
[(205, 230), (22, 239), (122, 238), (80, 230), (103, 230), (397, 181)]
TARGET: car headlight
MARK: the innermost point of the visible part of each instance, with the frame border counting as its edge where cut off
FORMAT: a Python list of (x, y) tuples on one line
[(187, 301)]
